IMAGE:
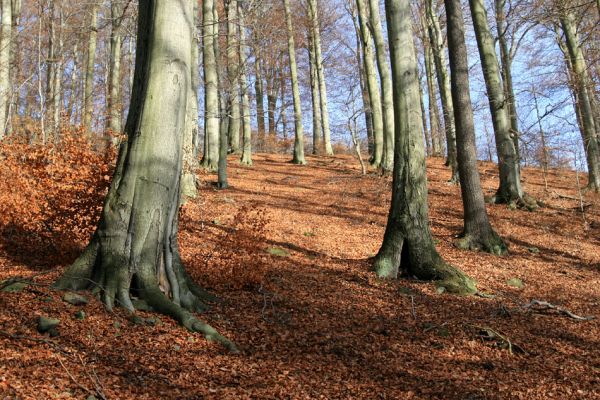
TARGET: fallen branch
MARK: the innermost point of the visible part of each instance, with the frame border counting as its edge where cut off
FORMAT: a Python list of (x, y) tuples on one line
[(537, 305)]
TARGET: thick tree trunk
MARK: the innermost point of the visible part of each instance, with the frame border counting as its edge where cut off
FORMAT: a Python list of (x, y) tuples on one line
[(114, 80), (478, 233), (318, 54), (88, 92), (510, 190), (299, 129), (437, 47), (385, 79), (135, 244), (233, 67), (315, 95), (210, 28), (580, 79), (246, 127), (5, 81), (372, 85), (408, 244)]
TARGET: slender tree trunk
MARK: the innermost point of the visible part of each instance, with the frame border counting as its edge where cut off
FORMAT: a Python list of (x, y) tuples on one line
[(211, 90), (315, 95), (224, 105), (114, 81), (299, 129), (408, 244), (16, 61), (372, 85), (260, 99), (272, 92), (246, 127), (581, 81), (88, 93), (507, 78), (51, 64), (189, 179), (426, 131), (5, 83), (434, 113), (71, 114), (437, 47), (510, 190), (233, 67), (57, 77), (387, 104), (135, 245), (478, 233), (323, 101)]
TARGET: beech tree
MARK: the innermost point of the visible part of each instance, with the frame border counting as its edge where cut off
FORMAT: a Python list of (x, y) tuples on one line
[(210, 29), (135, 245), (407, 244), (478, 233)]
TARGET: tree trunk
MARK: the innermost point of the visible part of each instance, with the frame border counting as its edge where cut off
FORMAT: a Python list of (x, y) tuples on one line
[(246, 124), (16, 59), (114, 80), (507, 79), (581, 81), (372, 86), (387, 105), (260, 99), (299, 129), (426, 131), (88, 92), (318, 53), (211, 90), (408, 244), (135, 245), (437, 47), (315, 96), (434, 113), (5, 83), (233, 67), (478, 233), (510, 190)]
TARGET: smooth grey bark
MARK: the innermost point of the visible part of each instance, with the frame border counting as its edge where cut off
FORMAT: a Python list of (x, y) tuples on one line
[(426, 131), (478, 233), (408, 244), (246, 127), (437, 48), (5, 81), (135, 245), (385, 79), (210, 28), (510, 190), (434, 112), (313, 7), (298, 128), (114, 102), (506, 66), (581, 81), (260, 98), (189, 179), (88, 92), (372, 85), (315, 96), (224, 106), (233, 67)]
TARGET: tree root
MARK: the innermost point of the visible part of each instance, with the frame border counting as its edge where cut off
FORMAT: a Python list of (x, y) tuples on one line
[(526, 202), (493, 245)]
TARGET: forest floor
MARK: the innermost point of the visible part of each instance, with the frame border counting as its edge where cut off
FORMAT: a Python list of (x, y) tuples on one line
[(287, 250)]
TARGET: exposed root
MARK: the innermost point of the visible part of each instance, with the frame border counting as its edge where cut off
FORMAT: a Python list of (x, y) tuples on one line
[(493, 245), (526, 202)]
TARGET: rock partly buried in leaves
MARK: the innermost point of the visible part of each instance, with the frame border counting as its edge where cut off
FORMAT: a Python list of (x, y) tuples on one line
[(14, 287), (516, 283), (277, 252), (47, 325), (75, 299), (80, 315)]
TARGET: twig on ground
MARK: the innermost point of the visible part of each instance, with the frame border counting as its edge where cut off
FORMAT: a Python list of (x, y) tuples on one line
[(537, 305)]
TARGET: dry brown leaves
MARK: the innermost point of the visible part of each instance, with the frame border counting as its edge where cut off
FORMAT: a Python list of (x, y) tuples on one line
[(286, 250)]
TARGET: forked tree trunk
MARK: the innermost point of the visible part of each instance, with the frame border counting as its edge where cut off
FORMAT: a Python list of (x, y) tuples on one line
[(371, 83), (408, 244), (299, 129), (385, 79), (478, 233), (318, 53), (210, 28), (135, 245), (246, 124), (510, 190), (437, 47)]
